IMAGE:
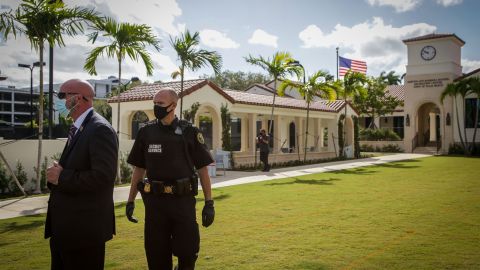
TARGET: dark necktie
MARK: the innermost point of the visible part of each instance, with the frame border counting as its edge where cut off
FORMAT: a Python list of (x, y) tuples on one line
[(71, 134)]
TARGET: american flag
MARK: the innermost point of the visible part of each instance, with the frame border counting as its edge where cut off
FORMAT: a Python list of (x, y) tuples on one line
[(345, 64)]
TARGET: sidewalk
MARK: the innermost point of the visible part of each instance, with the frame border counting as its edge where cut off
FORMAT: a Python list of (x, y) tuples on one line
[(37, 205)]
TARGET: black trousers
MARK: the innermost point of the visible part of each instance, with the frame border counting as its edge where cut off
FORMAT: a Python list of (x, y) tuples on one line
[(170, 229), (264, 160), (92, 257)]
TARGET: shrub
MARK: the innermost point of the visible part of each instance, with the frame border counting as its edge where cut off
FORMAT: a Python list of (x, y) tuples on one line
[(378, 134), (21, 177), (125, 168), (392, 148), (455, 149), (4, 179)]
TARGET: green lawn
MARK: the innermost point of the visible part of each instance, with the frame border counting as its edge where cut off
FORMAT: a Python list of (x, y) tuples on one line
[(419, 214)]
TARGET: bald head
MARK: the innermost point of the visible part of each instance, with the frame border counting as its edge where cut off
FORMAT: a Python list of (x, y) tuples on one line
[(77, 86), (165, 96), (78, 95)]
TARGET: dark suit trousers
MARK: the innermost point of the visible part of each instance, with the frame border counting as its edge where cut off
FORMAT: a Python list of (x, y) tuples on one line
[(91, 258)]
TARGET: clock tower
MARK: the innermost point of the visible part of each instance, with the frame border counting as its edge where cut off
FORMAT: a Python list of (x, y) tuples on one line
[(434, 60)]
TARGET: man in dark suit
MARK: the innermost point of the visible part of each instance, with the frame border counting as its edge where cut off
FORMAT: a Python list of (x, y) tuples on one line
[(80, 217)]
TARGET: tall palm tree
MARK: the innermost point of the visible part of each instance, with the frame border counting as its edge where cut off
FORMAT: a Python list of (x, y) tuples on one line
[(320, 84), (45, 21), (353, 84), (391, 78), (454, 89), (278, 67), (192, 58), (126, 39)]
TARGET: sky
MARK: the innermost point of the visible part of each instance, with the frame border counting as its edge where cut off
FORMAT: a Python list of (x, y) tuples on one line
[(368, 30)]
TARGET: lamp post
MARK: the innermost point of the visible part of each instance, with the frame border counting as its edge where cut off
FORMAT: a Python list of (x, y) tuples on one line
[(133, 79), (31, 67)]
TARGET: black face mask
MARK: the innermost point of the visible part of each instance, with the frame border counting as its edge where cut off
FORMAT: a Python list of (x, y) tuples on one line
[(160, 112)]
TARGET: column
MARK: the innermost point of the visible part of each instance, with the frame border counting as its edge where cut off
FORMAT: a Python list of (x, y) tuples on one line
[(244, 133), (276, 132), (252, 123), (433, 130)]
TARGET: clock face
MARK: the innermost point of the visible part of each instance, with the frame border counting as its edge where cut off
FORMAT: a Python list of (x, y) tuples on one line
[(428, 53)]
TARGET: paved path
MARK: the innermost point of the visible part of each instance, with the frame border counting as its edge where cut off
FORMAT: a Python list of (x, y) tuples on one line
[(37, 205)]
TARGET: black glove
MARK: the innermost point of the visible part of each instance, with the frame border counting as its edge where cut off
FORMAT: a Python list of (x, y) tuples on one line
[(208, 213), (129, 212)]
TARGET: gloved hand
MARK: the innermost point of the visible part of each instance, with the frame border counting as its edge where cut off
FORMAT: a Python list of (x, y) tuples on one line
[(129, 212), (208, 213)]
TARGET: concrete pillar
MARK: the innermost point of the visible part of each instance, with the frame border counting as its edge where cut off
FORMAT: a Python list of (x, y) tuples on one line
[(316, 140), (433, 130), (276, 134), (244, 133), (300, 134), (252, 136)]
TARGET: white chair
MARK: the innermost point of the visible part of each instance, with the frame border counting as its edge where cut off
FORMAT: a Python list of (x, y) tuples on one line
[(219, 162)]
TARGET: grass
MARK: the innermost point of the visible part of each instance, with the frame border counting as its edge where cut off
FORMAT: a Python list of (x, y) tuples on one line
[(418, 214)]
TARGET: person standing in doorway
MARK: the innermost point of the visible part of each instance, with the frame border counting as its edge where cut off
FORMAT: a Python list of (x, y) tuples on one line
[(80, 215), (263, 144)]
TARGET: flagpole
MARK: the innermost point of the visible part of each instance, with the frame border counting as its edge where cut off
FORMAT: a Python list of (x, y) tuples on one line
[(337, 63)]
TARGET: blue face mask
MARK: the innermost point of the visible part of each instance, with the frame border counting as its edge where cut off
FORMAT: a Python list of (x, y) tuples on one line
[(61, 107)]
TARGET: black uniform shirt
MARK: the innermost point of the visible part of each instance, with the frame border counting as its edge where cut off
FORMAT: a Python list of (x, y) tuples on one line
[(161, 150)]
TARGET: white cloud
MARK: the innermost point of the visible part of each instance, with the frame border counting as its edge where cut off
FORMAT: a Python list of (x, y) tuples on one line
[(399, 5), (69, 60), (216, 39), (373, 41), (447, 3), (470, 65), (263, 38)]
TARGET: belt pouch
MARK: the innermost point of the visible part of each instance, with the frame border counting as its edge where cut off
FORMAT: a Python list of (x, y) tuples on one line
[(194, 184), (182, 186)]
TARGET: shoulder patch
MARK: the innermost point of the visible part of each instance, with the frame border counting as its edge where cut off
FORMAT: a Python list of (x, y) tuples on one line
[(200, 138)]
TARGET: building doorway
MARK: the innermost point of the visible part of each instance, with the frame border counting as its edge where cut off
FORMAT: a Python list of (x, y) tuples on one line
[(428, 125)]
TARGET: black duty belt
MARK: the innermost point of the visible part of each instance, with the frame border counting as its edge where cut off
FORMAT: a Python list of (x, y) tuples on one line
[(182, 186)]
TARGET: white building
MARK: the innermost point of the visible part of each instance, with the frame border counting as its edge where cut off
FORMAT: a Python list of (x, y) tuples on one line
[(250, 112), (103, 87)]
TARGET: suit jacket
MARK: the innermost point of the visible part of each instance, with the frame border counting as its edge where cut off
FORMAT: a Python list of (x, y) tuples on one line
[(80, 209)]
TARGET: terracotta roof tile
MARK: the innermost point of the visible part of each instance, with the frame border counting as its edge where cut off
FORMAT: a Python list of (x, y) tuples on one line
[(147, 91), (466, 75), (283, 102), (433, 36)]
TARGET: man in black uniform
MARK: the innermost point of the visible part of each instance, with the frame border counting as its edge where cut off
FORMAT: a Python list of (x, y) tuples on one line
[(169, 150), (262, 140)]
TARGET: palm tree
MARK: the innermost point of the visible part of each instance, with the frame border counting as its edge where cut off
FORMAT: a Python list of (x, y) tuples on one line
[(320, 84), (45, 21), (453, 90), (391, 78), (352, 85), (192, 58), (127, 39), (278, 67), (474, 85)]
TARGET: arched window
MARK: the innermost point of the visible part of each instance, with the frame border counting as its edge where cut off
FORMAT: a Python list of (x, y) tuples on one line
[(138, 119)]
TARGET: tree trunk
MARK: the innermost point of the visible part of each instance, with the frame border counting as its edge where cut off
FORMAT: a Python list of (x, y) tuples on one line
[(306, 133), (40, 122), (119, 175), (181, 91), (119, 91), (458, 124), (475, 124), (273, 105), (467, 148)]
